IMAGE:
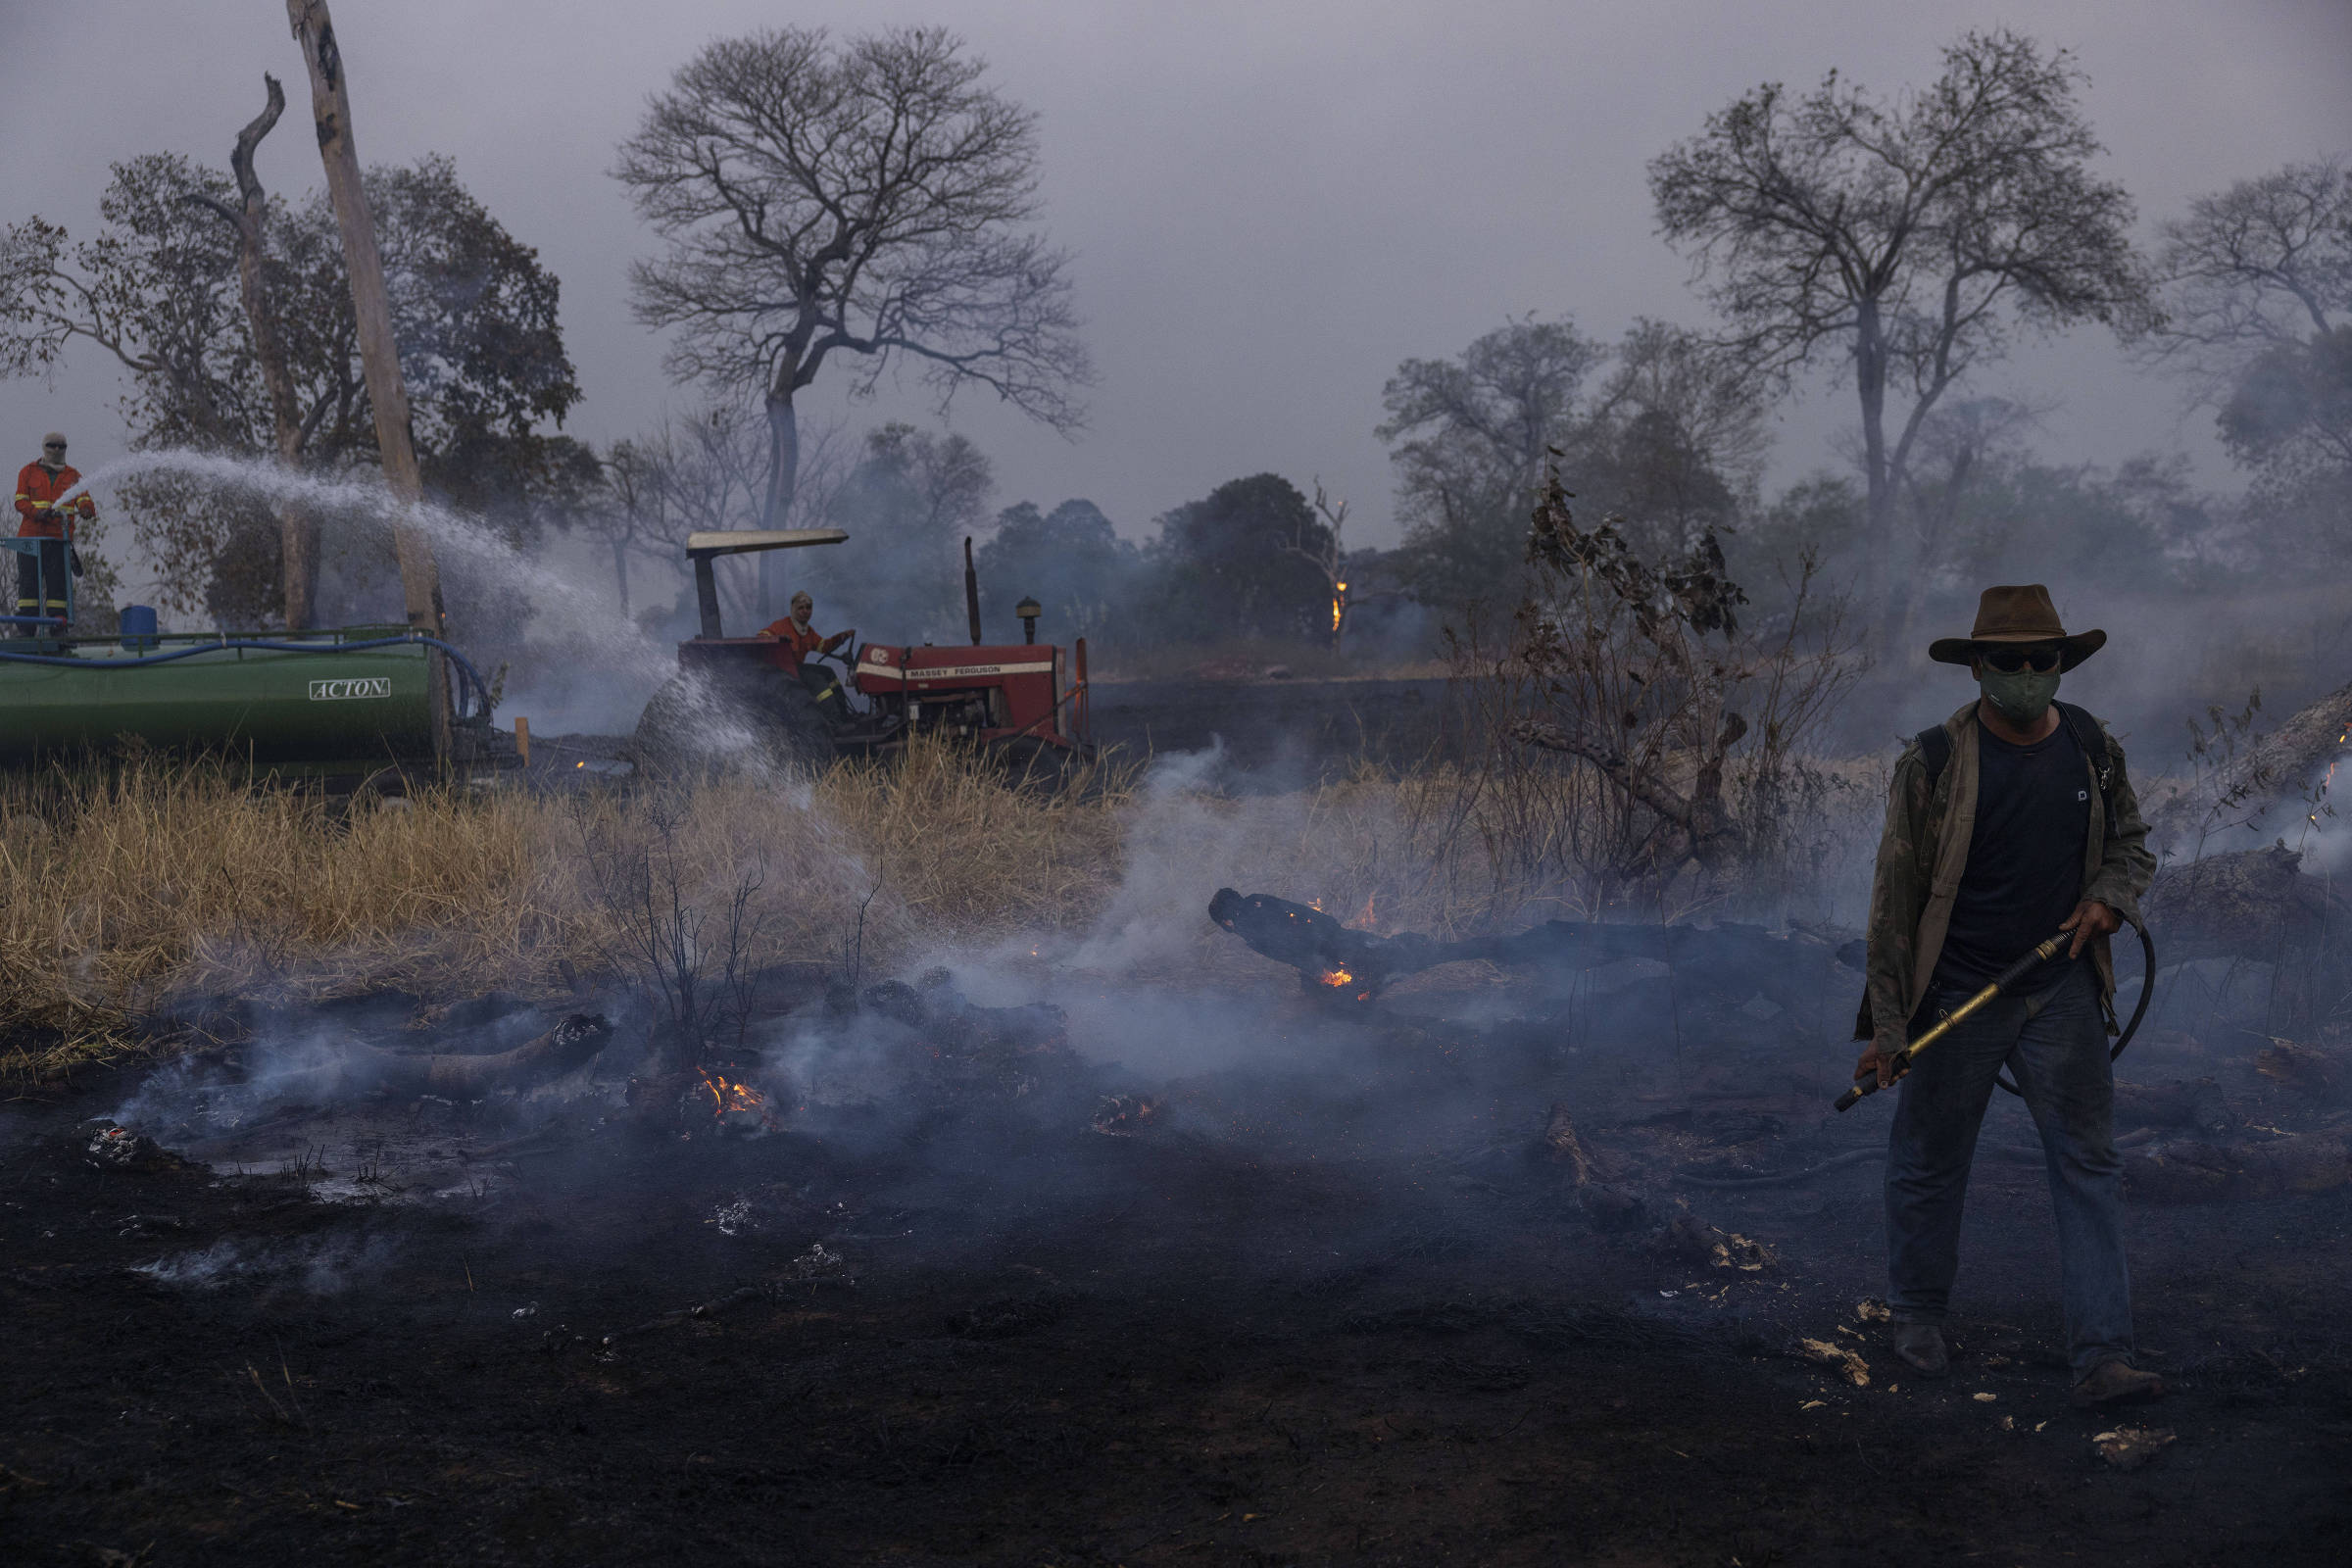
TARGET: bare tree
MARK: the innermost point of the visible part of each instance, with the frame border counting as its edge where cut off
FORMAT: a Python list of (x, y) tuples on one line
[(629, 509), (1322, 549), (1918, 236), (710, 470), (2258, 282), (371, 314), (1672, 441), (1705, 394), (1957, 444), (249, 220), (705, 472), (1469, 438), (869, 199), (910, 497), (162, 288), (1689, 728), (2264, 264)]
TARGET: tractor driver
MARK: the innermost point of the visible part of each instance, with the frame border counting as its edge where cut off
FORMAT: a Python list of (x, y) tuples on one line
[(802, 638)]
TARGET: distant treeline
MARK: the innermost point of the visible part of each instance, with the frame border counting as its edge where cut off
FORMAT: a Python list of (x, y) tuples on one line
[(1888, 247)]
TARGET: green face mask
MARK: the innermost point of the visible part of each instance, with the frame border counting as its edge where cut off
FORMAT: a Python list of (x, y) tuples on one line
[(2020, 699)]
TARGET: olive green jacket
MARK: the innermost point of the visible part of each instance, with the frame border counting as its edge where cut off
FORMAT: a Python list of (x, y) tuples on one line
[(1923, 850)]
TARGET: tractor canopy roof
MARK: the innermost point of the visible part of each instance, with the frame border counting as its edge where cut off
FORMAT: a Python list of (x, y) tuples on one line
[(742, 541)]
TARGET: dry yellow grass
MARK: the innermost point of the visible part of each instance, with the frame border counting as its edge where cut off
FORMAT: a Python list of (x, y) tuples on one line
[(119, 896)]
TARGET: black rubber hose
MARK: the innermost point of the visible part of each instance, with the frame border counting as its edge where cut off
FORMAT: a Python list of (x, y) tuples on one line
[(2147, 989)]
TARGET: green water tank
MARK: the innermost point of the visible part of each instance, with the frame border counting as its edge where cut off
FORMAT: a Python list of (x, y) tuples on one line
[(311, 711)]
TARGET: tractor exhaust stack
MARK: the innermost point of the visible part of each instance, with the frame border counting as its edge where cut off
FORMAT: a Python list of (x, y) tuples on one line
[(971, 589)]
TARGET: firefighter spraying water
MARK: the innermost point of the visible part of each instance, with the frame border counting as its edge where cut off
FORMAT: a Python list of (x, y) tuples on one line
[(50, 505)]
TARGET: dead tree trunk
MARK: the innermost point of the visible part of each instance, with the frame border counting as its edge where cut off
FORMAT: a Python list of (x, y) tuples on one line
[(1327, 558), (379, 352), (783, 478), (298, 530)]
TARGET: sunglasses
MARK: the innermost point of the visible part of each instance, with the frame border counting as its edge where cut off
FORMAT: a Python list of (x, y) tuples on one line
[(53, 446), (2009, 661)]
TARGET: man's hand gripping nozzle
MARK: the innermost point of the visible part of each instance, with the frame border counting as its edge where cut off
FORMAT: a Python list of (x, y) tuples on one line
[(1868, 1082)]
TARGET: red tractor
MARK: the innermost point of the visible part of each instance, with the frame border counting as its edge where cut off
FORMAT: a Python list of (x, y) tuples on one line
[(1023, 702)]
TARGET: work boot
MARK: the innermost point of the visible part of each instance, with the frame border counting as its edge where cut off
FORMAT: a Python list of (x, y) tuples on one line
[(2117, 1381), (1922, 1345)]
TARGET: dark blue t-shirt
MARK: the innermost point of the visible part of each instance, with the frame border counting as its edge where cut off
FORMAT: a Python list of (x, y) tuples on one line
[(2024, 856)]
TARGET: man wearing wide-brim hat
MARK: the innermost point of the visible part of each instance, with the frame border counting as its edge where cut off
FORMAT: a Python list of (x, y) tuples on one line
[(2009, 821)]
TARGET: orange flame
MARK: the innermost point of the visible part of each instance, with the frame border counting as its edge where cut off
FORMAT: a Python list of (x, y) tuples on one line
[(1339, 604), (728, 1095), (1335, 977)]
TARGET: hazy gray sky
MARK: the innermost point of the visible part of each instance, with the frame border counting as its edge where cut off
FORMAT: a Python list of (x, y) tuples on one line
[(1272, 203)]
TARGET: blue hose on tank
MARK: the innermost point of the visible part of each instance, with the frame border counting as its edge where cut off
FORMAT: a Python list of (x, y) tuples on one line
[(469, 678)]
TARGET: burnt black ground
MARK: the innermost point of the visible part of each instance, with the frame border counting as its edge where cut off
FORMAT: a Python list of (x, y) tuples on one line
[(1279, 1329)]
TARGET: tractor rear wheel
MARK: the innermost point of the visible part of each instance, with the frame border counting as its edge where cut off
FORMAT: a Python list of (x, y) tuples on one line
[(760, 717)]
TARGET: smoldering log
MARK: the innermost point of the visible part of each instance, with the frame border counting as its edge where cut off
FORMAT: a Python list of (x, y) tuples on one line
[(2258, 906), (2263, 776), (2247, 901), (1745, 958), (1319, 947), (572, 1042), (2192, 1172), (2306, 1069), (2196, 1103)]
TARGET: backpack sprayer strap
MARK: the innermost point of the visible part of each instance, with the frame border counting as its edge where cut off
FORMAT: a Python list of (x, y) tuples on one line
[(1935, 751)]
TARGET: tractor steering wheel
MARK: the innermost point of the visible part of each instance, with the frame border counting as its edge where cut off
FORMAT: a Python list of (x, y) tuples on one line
[(848, 660)]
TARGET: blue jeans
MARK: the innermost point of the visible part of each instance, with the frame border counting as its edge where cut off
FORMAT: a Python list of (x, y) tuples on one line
[(2055, 1042)]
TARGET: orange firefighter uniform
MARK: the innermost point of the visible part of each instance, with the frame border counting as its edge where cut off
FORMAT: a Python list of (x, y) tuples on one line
[(796, 641), (41, 574), (803, 640)]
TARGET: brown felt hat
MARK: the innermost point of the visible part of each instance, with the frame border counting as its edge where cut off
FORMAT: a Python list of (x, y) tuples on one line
[(2020, 614)]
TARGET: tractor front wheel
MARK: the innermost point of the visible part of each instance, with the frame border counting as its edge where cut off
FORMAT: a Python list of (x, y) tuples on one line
[(761, 718)]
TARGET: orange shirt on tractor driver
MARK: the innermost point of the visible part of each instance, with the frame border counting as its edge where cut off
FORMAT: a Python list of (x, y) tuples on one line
[(803, 640), (37, 487)]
